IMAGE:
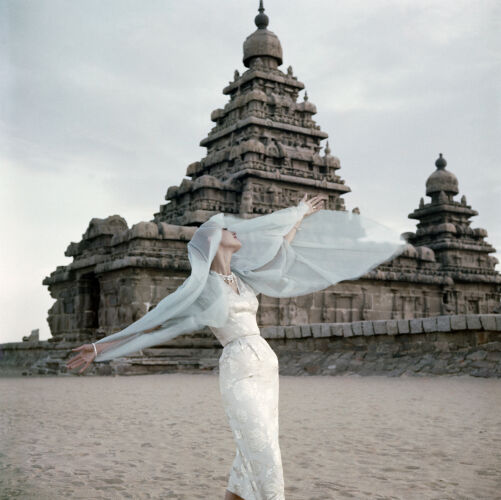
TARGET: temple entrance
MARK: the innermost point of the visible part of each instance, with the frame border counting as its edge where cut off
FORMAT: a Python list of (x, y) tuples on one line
[(89, 297)]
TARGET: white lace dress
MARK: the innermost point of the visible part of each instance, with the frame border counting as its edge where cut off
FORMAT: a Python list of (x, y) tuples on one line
[(248, 381)]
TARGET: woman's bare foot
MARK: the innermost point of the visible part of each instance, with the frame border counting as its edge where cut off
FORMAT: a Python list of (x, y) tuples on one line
[(231, 496)]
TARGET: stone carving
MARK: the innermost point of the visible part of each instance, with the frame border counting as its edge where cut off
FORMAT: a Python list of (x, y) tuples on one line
[(246, 203), (34, 336), (291, 313)]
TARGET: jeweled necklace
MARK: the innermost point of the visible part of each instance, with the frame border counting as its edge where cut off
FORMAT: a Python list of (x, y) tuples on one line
[(228, 278)]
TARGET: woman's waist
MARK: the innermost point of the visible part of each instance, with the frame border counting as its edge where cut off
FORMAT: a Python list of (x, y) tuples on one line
[(245, 335), (250, 352), (235, 329)]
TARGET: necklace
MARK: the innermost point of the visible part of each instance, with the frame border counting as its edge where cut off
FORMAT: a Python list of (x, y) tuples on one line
[(228, 278)]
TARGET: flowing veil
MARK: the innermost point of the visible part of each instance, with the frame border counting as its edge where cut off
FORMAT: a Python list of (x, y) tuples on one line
[(330, 246)]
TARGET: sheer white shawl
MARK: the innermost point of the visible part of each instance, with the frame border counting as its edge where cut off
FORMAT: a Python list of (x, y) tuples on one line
[(330, 246)]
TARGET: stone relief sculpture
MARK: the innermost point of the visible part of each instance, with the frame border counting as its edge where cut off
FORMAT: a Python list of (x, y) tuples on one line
[(246, 203)]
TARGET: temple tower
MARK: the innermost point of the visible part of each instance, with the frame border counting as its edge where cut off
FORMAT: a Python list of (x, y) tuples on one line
[(444, 227), (264, 150)]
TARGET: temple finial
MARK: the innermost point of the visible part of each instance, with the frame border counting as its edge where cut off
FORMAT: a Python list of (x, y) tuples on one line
[(441, 162), (261, 19)]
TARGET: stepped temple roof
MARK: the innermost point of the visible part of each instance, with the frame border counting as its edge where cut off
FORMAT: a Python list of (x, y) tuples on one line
[(264, 147)]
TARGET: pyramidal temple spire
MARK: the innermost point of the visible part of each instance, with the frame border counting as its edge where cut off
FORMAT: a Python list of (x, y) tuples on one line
[(264, 148), (445, 227)]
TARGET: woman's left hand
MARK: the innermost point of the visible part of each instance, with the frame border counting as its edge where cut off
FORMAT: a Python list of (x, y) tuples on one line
[(314, 203), (84, 357)]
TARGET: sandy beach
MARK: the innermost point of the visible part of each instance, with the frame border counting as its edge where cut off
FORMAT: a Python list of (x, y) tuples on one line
[(166, 436)]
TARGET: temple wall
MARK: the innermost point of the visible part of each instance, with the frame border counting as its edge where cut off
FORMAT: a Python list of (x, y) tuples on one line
[(97, 302), (99, 294), (377, 300), (129, 294)]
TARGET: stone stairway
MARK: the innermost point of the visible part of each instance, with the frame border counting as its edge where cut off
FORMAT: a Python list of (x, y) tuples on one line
[(178, 358), (169, 360)]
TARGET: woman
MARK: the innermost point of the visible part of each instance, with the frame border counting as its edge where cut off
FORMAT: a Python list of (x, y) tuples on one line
[(232, 260)]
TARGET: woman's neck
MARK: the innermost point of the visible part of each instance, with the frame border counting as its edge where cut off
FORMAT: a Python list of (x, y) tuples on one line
[(221, 263)]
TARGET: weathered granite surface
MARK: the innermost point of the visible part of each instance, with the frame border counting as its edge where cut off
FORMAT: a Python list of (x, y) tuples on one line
[(442, 345)]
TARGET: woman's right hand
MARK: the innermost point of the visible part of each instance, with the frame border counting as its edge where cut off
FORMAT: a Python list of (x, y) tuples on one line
[(314, 203), (84, 357)]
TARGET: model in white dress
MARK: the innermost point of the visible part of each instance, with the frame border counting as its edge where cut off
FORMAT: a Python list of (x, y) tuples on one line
[(267, 257), (248, 381)]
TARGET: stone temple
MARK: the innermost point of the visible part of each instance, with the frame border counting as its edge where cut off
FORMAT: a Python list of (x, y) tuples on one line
[(264, 152)]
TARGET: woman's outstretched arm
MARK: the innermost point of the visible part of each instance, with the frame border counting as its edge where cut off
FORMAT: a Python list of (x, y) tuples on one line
[(315, 205), (87, 353)]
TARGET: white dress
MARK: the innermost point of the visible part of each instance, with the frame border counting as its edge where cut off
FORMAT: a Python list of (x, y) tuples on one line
[(248, 381)]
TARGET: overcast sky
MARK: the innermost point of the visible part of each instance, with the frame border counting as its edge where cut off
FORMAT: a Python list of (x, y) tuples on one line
[(103, 105)]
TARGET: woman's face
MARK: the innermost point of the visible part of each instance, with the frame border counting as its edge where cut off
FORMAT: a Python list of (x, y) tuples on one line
[(229, 240)]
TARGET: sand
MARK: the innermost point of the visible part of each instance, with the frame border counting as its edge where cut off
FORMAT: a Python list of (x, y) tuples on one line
[(166, 436)]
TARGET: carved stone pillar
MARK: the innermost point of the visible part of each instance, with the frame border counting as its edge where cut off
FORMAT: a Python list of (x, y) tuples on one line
[(426, 304), (364, 305), (394, 303)]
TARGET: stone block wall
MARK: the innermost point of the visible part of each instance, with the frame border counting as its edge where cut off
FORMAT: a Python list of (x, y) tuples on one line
[(461, 345)]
